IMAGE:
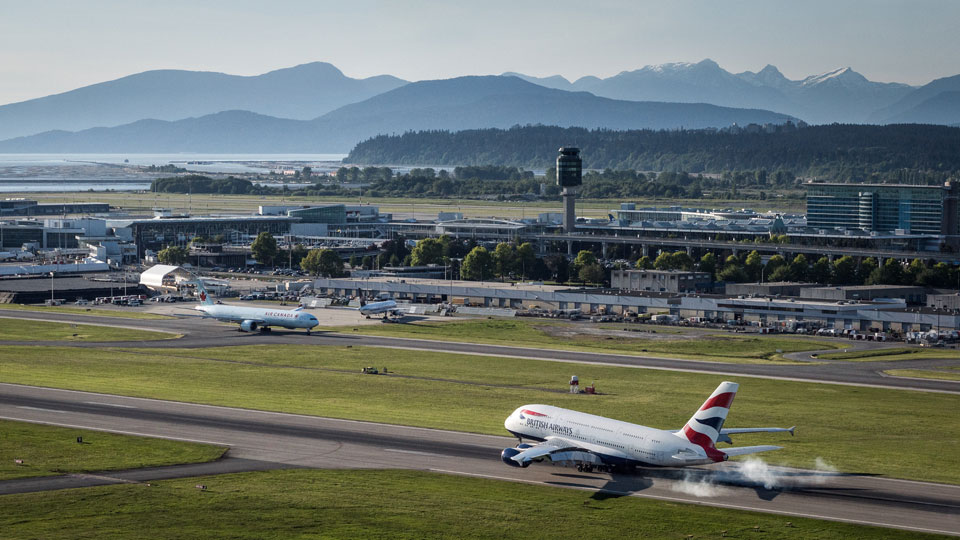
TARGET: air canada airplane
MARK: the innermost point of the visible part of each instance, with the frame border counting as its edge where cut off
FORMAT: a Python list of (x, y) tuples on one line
[(594, 441), (252, 319)]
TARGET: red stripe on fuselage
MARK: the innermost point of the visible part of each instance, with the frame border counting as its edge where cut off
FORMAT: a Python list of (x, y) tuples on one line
[(704, 442), (531, 413), (719, 400)]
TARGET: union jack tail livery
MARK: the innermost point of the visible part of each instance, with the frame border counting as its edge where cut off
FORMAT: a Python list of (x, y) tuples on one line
[(704, 428)]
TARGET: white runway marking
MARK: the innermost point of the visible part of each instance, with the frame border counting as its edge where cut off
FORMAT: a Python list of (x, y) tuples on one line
[(413, 452), (41, 409), (110, 404)]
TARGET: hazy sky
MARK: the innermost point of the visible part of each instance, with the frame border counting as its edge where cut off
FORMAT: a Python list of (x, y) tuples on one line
[(51, 46)]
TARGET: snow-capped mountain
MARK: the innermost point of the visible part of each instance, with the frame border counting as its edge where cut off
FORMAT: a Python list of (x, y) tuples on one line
[(840, 95)]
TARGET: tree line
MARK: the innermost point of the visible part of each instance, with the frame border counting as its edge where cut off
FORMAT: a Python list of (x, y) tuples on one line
[(513, 182), (195, 183), (844, 270), (519, 261), (906, 153)]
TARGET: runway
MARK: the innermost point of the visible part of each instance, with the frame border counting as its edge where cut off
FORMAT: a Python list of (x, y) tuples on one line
[(200, 332), (261, 440)]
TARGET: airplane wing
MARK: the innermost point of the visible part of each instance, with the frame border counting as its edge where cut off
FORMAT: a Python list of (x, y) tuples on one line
[(743, 450), (725, 433), (551, 446)]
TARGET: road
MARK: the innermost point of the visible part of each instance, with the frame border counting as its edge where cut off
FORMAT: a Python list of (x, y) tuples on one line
[(261, 440), (207, 333)]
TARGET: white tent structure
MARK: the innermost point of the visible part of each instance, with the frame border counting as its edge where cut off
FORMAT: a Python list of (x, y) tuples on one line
[(164, 277)]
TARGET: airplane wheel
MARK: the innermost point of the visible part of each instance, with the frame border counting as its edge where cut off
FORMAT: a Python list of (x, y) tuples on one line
[(579, 468)]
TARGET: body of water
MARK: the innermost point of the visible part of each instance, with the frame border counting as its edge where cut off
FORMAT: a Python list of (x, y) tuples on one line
[(99, 172)]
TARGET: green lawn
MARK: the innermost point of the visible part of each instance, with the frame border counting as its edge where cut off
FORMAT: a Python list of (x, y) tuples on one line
[(926, 374), (22, 330), (731, 348), (210, 203), (857, 429), (126, 313), (384, 504), (47, 450)]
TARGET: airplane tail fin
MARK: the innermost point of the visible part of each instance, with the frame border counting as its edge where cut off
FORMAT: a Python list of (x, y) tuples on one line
[(362, 302), (202, 292), (703, 429)]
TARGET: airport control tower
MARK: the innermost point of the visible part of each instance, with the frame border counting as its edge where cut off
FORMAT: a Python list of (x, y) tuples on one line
[(569, 178)]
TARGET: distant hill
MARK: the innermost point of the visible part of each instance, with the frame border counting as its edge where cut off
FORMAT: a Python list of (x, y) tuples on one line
[(841, 95), (451, 104), (226, 132), (943, 108), (843, 152), (302, 92), (921, 105)]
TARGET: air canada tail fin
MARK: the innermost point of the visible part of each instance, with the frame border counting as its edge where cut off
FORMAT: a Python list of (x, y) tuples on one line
[(703, 429), (202, 292)]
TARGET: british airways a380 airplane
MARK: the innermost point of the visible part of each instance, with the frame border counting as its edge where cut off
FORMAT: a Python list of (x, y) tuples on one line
[(595, 441), (252, 319)]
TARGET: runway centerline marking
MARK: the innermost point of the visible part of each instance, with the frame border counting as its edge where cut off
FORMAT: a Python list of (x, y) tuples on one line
[(110, 404), (429, 454), (27, 407)]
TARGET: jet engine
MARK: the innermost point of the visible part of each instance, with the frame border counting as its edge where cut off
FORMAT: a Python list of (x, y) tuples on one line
[(507, 455), (248, 326)]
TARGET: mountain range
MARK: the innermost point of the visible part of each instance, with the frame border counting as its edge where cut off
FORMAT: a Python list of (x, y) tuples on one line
[(315, 107), (838, 96), (449, 104), (302, 92)]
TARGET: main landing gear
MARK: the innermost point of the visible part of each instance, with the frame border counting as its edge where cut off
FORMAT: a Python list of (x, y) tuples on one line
[(588, 468)]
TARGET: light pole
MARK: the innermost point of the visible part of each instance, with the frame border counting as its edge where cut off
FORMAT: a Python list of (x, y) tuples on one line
[(51, 288)]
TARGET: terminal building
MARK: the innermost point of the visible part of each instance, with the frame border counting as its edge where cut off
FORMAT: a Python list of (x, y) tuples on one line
[(884, 207), (27, 207), (661, 280)]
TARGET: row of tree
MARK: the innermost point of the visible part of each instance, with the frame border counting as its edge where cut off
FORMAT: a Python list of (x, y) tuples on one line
[(195, 183), (511, 182), (520, 261), (843, 270), (897, 153)]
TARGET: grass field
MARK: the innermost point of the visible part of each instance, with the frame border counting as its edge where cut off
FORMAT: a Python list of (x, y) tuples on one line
[(363, 504), (857, 429), (48, 450), (732, 348), (20, 330), (896, 353), (129, 313), (926, 374), (208, 203)]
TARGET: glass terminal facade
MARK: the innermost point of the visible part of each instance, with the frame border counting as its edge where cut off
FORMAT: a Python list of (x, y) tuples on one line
[(335, 214), (883, 207)]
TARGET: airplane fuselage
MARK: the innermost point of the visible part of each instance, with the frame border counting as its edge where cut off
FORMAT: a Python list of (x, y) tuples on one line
[(614, 442), (263, 317), (378, 307)]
